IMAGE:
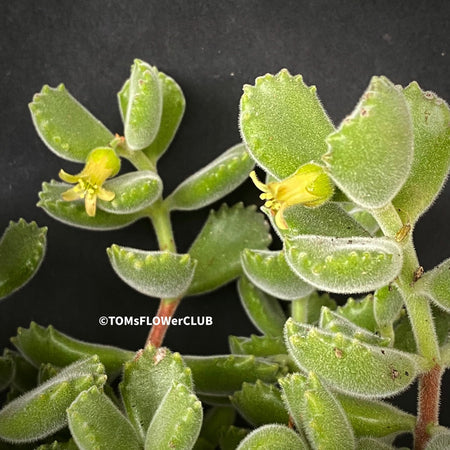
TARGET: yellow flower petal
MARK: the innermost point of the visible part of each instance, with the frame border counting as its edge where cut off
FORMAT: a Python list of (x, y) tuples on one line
[(90, 203), (72, 194), (105, 195), (68, 178)]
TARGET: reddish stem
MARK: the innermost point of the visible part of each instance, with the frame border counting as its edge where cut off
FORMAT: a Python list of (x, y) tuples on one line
[(429, 393), (158, 331)]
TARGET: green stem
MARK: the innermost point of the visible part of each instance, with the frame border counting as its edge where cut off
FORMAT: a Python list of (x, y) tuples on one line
[(299, 309)]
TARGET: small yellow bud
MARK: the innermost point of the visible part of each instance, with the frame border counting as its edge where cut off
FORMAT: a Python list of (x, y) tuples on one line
[(101, 163), (309, 186)]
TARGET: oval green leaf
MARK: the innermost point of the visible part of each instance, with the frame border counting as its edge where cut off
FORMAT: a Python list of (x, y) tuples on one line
[(144, 106), (95, 422), (257, 345), (74, 213), (269, 271), (349, 365), (344, 265), (436, 284), (371, 153), (214, 181), (387, 304), (65, 126), (219, 245), (153, 273), (22, 249), (273, 437), (283, 123)]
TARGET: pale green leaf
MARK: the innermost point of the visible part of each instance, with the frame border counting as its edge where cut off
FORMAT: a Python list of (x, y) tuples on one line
[(213, 181), (57, 445), (371, 153), (74, 213), (177, 421), (269, 271), (153, 273), (95, 422), (22, 249), (264, 311), (273, 437), (360, 312), (260, 404), (219, 245), (430, 116), (231, 437), (144, 106), (257, 345), (42, 411), (46, 345), (436, 284), (134, 191), (367, 443), (344, 265), (387, 304), (65, 126), (146, 381), (439, 441), (283, 123), (349, 365)]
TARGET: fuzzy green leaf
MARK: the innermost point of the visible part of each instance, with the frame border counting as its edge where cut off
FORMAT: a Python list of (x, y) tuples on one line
[(370, 166), (349, 365), (224, 374), (260, 404), (436, 284), (273, 437), (344, 265), (146, 381), (264, 311), (56, 445), (269, 271), (22, 249), (335, 323), (231, 437), (47, 371), (431, 162), (95, 422), (257, 345), (387, 304), (6, 371), (46, 345), (42, 411), (360, 312), (177, 421), (439, 441), (283, 123), (367, 443), (134, 191), (25, 374), (315, 303), (144, 106), (153, 273), (219, 245), (216, 421), (325, 421), (65, 126), (74, 213), (213, 181), (293, 388)]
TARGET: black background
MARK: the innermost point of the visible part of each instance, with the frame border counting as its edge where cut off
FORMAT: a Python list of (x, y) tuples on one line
[(211, 48)]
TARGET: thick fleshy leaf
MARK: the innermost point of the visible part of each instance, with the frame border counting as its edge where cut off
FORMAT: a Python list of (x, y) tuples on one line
[(264, 311), (283, 123), (368, 443), (46, 345), (387, 304), (430, 116), (349, 365), (363, 217), (371, 153), (144, 106), (260, 404), (344, 265), (25, 375), (47, 371), (231, 438), (257, 345), (293, 387), (436, 284), (153, 273), (22, 249), (133, 191), (95, 422), (325, 421), (74, 213), (57, 445), (65, 126), (439, 441), (217, 420), (360, 312), (146, 381), (213, 181), (315, 303), (273, 437), (42, 411), (177, 421), (269, 271), (224, 374), (335, 323), (219, 245), (6, 371)]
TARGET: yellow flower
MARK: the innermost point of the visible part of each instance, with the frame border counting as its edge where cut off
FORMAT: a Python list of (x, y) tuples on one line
[(101, 163), (309, 186)]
